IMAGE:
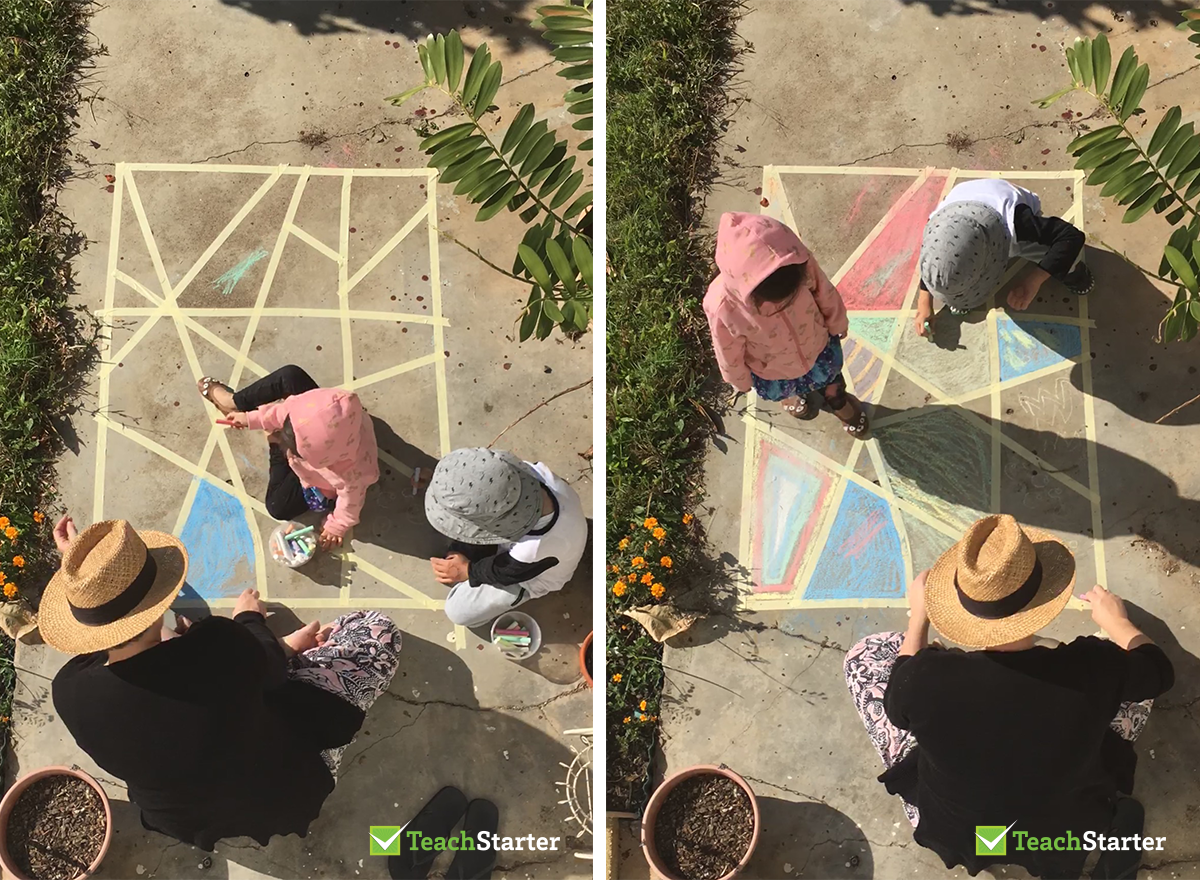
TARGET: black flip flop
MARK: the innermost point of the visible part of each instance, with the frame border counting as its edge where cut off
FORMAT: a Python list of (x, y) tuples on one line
[(436, 819), (476, 864), (1129, 818)]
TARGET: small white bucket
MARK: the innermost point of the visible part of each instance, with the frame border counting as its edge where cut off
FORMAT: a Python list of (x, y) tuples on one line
[(515, 620), (296, 552)]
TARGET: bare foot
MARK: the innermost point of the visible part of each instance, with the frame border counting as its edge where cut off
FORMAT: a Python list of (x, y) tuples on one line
[(220, 395), (308, 637)]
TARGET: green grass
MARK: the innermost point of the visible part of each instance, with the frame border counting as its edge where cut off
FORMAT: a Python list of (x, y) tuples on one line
[(669, 62), (44, 47)]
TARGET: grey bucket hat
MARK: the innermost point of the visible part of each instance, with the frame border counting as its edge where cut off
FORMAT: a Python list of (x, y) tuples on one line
[(964, 253), (483, 496)]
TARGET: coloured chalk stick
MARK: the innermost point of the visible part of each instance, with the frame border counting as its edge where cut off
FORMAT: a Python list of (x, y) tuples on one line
[(291, 536), (226, 422), (512, 632)]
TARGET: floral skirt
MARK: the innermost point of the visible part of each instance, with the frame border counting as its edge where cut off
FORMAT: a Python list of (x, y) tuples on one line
[(357, 663), (868, 668), (825, 372)]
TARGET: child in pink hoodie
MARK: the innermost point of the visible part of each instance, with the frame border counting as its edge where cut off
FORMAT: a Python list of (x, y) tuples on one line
[(777, 322), (322, 445)]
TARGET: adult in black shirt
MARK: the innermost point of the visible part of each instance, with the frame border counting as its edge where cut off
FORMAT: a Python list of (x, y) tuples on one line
[(1015, 734), (213, 732)]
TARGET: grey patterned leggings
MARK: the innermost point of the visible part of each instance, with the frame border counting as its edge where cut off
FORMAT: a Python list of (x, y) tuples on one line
[(357, 664), (868, 667)]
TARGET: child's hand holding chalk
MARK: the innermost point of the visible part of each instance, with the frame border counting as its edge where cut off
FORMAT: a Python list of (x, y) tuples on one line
[(235, 420)]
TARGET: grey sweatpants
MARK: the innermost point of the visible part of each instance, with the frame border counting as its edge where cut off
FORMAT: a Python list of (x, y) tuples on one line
[(474, 606)]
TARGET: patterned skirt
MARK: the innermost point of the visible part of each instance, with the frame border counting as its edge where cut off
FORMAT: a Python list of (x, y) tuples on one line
[(824, 372), (357, 663)]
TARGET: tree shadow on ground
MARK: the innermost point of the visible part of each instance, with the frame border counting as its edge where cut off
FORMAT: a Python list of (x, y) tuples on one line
[(1143, 378), (510, 20), (1104, 15), (806, 839)]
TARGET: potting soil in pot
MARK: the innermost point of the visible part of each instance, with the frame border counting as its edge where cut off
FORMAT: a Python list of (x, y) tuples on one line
[(56, 828), (704, 827)]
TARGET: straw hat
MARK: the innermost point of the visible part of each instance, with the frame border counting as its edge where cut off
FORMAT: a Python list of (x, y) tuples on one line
[(113, 583), (1000, 583)]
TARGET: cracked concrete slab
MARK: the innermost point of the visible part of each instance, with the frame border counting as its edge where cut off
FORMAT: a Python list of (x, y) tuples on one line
[(763, 691), (223, 83)]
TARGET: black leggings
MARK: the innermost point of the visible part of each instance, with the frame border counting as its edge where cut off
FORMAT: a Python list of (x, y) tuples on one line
[(285, 494)]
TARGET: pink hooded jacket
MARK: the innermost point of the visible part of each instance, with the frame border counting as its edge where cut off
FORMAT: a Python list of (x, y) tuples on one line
[(773, 343), (336, 441)]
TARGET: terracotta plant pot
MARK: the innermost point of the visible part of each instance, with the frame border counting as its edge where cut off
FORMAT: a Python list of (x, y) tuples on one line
[(660, 795), (10, 800), (583, 665)]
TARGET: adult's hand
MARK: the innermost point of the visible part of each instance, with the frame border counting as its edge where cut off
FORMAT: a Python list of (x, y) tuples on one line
[(916, 596), (308, 637), (64, 533), (1108, 611), (453, 569), (249, 601)]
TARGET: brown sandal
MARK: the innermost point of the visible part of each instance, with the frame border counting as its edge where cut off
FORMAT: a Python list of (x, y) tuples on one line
[(205, 387), (858, 425)]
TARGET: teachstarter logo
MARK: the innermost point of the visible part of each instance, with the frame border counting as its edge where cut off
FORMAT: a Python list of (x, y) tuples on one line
[(991, 840), (385, 840)]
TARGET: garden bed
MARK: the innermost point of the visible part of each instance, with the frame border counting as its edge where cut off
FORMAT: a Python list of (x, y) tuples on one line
[(44, 49), (669, 62)]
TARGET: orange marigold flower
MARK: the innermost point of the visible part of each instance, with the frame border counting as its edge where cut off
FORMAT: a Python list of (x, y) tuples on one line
[(647, 579), (665, 562), (38, 516), (617, 677), (638, 562), (632, 578), (650, 522), (3, 577), (10, 591), (618, 589), (3, 522), (19, 561), (687, 519), (627, 720), (657, 591), (11, 533), (642, 705), (623, 543), (659, 533)]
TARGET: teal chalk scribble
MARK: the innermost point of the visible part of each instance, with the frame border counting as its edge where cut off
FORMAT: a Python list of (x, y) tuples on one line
[(227, 282)]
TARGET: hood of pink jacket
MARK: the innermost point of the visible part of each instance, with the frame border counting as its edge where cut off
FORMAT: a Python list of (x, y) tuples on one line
[(327, 423), (750, 247)]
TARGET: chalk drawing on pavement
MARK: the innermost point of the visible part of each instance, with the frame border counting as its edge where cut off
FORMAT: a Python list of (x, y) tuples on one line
[(933, 463), (228, 280), (219, 544), (1026, 346), (794, 493), (862, 558)]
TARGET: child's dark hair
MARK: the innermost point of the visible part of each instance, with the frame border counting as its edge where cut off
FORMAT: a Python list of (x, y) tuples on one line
[(782, 284), (288, 436)]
